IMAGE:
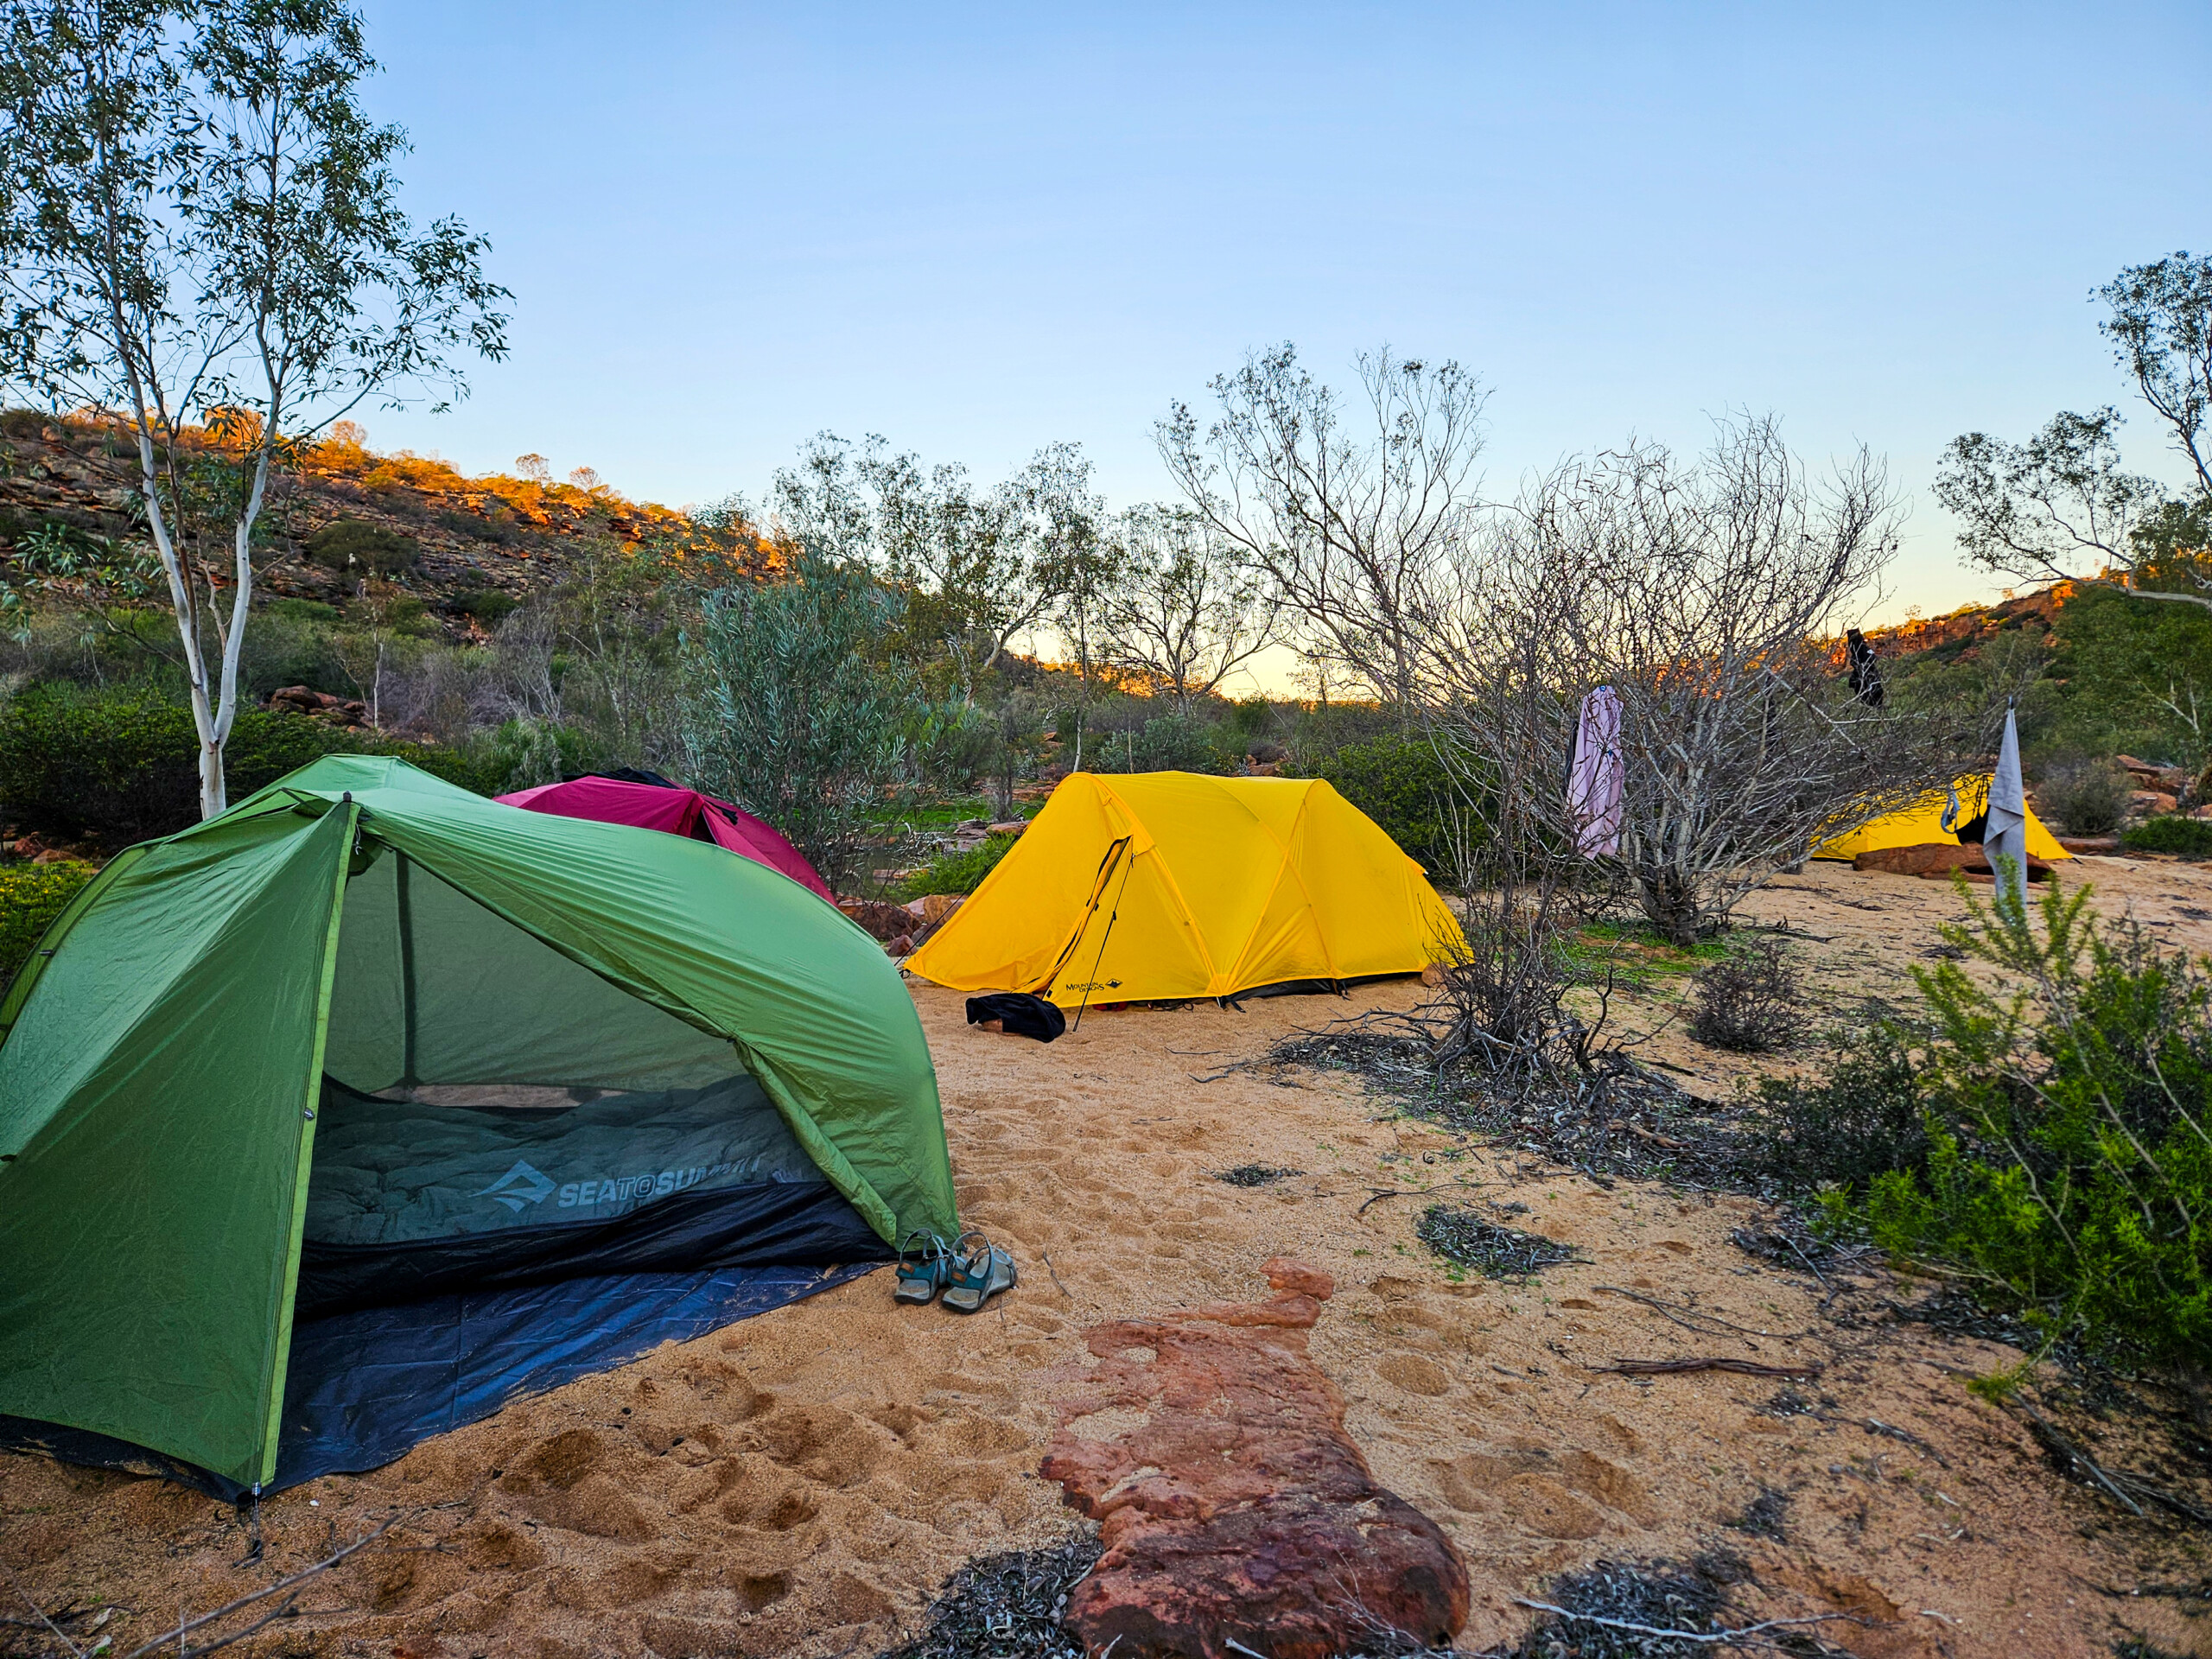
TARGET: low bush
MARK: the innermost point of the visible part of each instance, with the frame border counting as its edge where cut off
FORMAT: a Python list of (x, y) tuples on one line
[(1400, 784), (1748, 1003), (1860, 1119), (2064, 1157), (958, 872), (360, 547), (292, 646), (122, 765), (486, 605), (2085, 797), (1164, 743), (2169, 833), (31, 896), (303, 610)]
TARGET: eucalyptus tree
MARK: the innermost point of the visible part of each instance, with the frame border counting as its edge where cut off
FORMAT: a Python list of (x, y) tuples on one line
[(1348, 513), (201, 244), (1182, 611), (979, 567), (2062, 506)]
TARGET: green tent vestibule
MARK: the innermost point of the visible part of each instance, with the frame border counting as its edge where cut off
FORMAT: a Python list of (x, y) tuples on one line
[(340, 1119)]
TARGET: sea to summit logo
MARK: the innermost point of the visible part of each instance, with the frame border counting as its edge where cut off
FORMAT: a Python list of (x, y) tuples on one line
[(519, 1186)]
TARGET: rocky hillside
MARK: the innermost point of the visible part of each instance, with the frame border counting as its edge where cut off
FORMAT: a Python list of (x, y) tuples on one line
[(1959, 635), (468, 548)]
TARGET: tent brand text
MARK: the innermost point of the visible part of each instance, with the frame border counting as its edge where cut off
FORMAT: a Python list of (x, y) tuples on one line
[(614, 1189)]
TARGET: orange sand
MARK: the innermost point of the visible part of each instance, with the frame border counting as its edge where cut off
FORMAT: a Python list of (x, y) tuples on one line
[(802, 1483)]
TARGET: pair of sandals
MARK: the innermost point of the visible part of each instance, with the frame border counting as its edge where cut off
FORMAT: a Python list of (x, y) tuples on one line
[(966, 1273)]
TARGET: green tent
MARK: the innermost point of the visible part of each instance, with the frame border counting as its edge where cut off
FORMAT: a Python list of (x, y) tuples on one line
[(695, 1063)]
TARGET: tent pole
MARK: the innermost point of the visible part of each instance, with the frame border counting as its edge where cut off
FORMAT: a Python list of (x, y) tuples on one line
[(1105, 939), (406, 901)]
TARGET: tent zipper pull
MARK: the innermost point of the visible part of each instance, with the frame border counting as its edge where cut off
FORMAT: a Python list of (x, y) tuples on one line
[(310, 1113)]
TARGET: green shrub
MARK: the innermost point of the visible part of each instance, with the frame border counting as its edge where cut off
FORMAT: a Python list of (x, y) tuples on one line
[(958, 872), (521, 754), (1400, 784), (794, 717), (31, 896), (2085, 797), (360, 546), (122, 765), (303, 610), (2169, 833), (284, 648), (1163, 743), (1860, 1119), (2064, 1162), (487, 605)]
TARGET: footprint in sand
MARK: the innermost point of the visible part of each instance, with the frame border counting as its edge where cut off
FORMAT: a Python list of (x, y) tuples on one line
[(821, 1442), (771, 1509), (1416, 1375)]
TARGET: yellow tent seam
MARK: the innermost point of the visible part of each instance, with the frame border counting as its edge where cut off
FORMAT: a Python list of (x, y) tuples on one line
[(1214, 977)]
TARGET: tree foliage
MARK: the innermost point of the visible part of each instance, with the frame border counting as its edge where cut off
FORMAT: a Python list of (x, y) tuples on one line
[(1177, 608), (978, 568), (200, 237), (2062, 506), (790, 716), (1350, 515)]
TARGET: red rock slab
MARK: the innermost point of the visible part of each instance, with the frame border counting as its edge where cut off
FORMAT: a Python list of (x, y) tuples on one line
[(1239, 1510), (1937, 858)]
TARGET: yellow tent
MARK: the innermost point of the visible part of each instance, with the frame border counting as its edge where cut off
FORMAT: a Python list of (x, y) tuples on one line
[(1923, 822), (1164, 885)]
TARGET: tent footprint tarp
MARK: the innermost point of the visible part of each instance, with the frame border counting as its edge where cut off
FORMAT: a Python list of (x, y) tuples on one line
[(677, 1087)]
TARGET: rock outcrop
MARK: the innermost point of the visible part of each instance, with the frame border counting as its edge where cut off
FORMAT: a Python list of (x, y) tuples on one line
[(1233, 1506), (1938, 858)]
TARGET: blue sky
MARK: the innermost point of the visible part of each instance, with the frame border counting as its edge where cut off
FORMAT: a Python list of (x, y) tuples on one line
[(979, 230)]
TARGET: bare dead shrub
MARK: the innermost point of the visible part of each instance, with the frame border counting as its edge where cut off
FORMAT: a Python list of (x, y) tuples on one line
[(1705, 593), (1751, 1002)]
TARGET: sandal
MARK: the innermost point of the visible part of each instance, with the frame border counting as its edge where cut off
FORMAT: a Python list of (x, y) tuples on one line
[(976, 1275), (923, 1273)]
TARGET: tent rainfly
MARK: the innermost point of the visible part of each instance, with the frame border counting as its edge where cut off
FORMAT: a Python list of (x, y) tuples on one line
[(1167, 885), (340, 1118), (652, 802), (1922, 822)]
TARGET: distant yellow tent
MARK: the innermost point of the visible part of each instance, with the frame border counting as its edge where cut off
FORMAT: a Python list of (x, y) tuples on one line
[(1923, 822), (1163, 885)]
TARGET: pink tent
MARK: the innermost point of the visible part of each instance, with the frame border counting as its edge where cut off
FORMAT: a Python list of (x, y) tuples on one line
[(678, 812)]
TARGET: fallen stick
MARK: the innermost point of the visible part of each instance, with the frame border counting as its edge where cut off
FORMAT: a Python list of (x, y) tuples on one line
[(1055, 1272), (185, 1628), (2122, 1487), (1741, 1367), (41, 1612), (1876, 1425), (1714, 1637), (2074, 1459), (1682, 1316), (1383, 1193)]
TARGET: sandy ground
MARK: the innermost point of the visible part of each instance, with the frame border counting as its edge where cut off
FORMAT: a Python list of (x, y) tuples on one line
[(804, 1483)]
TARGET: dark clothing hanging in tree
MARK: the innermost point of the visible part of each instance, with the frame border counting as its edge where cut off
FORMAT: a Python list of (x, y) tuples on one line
[(1865, 672)]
